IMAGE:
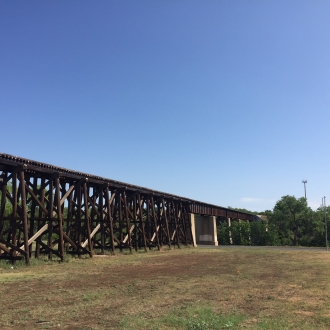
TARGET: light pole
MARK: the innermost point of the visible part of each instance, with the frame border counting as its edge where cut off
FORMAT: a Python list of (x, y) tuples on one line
[(304, 182)]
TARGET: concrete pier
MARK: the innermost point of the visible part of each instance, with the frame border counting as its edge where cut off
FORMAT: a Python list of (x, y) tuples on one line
[(229, 225), (193, 229), (206, 230)]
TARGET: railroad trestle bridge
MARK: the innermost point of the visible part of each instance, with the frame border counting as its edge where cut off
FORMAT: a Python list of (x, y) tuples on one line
[(49, 210)]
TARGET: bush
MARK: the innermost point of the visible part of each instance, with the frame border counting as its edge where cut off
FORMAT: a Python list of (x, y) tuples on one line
[(263, 234), (223, 233)]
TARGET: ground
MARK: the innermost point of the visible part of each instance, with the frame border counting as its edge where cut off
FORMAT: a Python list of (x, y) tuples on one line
[(170, 289)]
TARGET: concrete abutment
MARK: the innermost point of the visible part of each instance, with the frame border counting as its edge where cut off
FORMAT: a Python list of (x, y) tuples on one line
[(205, 230)]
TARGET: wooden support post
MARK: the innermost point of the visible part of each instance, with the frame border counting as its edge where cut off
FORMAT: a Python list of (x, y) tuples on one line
[(36, 235), (13, 234), (69, 217), (60, 218), (189, 227), (50, 218), (136, 224), (148, 226), (160, 225), (170, 220), (101, 219), (3, 206), (155, 221), (121, 235), (166, 224), (88, 228), (78, 218), (33, 212), (127, 223), (109, 209), (25, 219), (176, 215), (141, 223), (41, 215)]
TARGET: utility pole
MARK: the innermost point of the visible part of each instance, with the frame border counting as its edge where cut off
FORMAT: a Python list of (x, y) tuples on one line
[(304, 182), (325, 222)]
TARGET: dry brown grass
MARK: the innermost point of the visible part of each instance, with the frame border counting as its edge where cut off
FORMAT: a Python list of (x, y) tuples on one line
[(272, 289)]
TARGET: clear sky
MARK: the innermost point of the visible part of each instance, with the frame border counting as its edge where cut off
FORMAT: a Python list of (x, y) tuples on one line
[(227, 102)]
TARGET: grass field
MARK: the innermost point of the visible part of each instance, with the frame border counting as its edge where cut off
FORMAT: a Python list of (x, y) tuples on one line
[(189, 288)]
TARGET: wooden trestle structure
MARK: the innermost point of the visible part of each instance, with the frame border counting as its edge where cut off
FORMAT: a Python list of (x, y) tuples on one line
[(50, 210)]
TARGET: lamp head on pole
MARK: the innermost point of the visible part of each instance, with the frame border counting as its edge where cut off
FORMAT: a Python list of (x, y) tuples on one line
[(304, 182)]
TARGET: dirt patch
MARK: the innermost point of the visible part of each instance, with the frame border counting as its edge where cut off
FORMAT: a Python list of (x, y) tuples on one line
[(97, 293)]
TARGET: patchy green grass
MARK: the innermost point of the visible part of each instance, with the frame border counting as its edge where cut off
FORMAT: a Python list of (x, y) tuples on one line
[(188, 317), (179, 289)]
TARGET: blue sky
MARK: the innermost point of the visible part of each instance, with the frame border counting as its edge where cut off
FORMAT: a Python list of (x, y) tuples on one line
[(227, 102)]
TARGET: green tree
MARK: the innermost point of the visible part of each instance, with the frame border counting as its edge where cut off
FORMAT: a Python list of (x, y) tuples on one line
[(263, 234), (314, 234), (292, 218), (223, 233), (240, 232)]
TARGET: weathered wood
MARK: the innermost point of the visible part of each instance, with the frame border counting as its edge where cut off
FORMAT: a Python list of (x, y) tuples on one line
[(41, 215), (84, 214), (35, 198), (69, 216), (110, 218), (101, 219), (166, 224), (13, 247), (127, 236), (8, 177), (25, 219), (65, 196), (17, 210), (4, 248), (88, 228), (78, 217), (32, 214), (155, 233), (155, 221), (127, 223), (51, 251), (96, 229), (2, 207), (147, 223), (174, 232), (160, 223), (92, 203), (60, 219), (70, 241), (11, 258), (120, 222), (13, 200), (176, 225), (135, 223), (36, 235), (50, 216), (142, 224)]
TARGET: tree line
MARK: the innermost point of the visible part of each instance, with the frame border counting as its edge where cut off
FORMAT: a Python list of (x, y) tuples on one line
[(291, 222)]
